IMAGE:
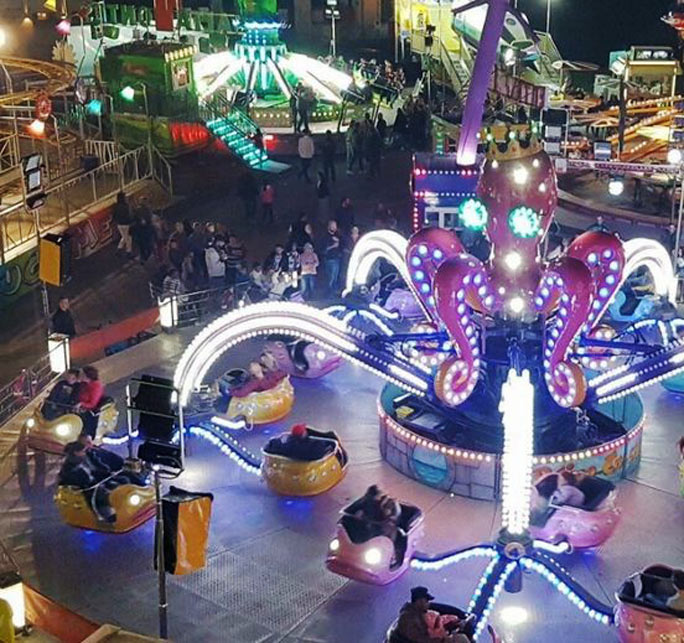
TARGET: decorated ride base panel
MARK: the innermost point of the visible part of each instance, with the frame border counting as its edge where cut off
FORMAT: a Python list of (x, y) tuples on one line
[(476, 474)]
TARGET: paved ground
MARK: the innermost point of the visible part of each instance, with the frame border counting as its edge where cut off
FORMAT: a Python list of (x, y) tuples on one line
[(265, 580)]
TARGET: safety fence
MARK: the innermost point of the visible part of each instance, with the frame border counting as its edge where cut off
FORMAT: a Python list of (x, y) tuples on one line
[(200, 306)]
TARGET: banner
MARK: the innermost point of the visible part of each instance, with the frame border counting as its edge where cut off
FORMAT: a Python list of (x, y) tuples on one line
[(20, 275)]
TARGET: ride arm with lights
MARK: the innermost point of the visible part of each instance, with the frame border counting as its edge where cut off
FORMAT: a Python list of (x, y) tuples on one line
[(461, 285), (569, 282)]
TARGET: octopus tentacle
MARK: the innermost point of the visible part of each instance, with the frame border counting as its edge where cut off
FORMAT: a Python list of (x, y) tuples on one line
[(461, 285), (426, 251), (604, 255), (570, 283)]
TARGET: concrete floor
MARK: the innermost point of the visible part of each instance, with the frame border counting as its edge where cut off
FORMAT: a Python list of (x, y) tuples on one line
[(265, 579)]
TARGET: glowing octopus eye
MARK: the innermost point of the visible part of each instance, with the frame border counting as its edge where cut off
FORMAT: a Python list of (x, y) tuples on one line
[(473, 214), (524, 222)]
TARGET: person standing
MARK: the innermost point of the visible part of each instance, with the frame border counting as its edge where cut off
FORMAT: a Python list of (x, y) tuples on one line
[(216, 267), (374, 151), (349, 146), (123, 220), (382, 128), (306, 149), (309, 266), (303, 106), (332, 256), (329, 150), (323, 195), (344, 215), (62, 320), (234, 256), (293, 110), (267, 200), (248, 191)]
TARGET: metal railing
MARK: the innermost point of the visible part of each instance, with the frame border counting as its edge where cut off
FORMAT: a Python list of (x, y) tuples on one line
[(199, 306), (24, 388), (161, 170), (106, 151), (69, 199)]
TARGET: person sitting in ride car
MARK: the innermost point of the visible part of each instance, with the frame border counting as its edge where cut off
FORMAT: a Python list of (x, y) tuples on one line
[(299, 445), (567, 492), (63, 396), (258, 380), (268, 362), (413, 621), (85, 466), (107, 463), (90, 394)]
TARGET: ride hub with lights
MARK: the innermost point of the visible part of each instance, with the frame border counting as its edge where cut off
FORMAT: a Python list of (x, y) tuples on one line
[(261, 70), (480, 308)]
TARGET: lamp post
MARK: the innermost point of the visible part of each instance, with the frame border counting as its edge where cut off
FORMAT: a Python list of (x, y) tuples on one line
[(548, 17), (128, 94)]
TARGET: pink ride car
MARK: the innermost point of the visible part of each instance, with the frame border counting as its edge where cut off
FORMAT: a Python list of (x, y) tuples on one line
[(359, 552), (404, 302), (582, 527), (650, 606), (301, 358)]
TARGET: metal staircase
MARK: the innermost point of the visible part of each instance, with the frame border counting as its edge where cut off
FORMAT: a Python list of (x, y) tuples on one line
[(232, 126), (458, 67)]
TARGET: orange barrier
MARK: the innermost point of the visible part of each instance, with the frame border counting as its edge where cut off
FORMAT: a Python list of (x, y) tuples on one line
[(89, 347), (56, 620)]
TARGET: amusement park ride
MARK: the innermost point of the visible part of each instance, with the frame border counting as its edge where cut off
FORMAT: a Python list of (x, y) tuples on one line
[(515, 329), (514, 333)]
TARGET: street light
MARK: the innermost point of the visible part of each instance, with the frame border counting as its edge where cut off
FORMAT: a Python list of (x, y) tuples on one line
[(37, 128), (3, 37), (128, 94), (616, 187), (548, 17)]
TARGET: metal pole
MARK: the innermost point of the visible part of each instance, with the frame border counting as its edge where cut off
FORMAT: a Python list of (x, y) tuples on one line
[(129, 421), (678, 236), (333, 48), (159, 547), (548, 17), (59, 147)]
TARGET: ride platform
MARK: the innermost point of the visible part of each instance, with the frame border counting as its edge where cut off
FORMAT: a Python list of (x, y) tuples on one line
[(265, 578)]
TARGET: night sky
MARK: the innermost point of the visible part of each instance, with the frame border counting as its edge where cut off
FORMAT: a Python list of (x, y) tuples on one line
[(589, 29)]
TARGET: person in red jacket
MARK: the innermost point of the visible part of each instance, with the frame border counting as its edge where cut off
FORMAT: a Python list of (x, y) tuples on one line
[(258, 380), (90, 394)]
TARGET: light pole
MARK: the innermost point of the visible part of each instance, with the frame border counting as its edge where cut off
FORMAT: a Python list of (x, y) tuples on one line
[(548, 16)]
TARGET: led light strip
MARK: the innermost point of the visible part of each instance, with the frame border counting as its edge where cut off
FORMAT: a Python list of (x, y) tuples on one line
[(654, 256), (492, 598), (120, 440), (483, 581), (435, 564), (588, 453), (211, 437), (517, 408), (562, 587), (287, 318), (455, 454)]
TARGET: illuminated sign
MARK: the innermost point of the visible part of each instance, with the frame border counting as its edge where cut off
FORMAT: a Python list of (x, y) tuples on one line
[(130, 15), (652, 53)]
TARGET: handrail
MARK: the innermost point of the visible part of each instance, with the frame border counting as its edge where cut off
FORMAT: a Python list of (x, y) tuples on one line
[(161, 170), (20, 231)]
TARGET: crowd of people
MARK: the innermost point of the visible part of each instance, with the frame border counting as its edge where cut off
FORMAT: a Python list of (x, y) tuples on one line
[(306, 265)]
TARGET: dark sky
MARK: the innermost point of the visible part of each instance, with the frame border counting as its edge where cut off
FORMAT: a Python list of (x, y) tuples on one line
[(589, 29)]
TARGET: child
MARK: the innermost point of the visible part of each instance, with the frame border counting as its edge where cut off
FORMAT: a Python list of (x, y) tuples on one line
[(437, 624), (308, 261)]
